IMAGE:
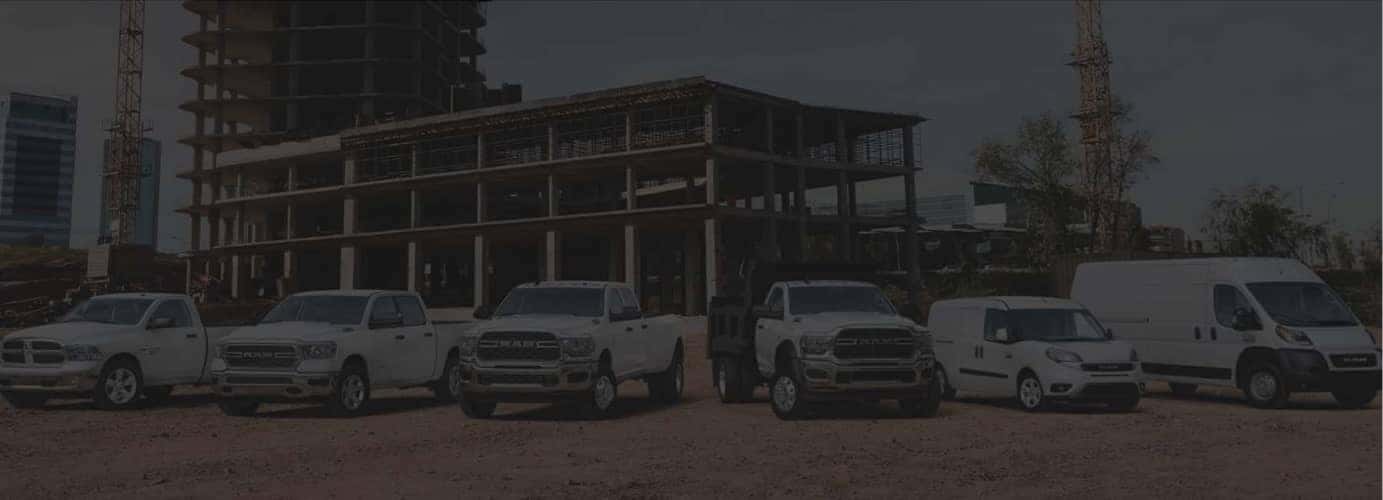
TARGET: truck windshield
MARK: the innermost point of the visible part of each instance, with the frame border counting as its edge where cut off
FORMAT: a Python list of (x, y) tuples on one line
[(110, 311), (1302, 304), (584, 302), (1052, 325), (335, 310), (828, 299)]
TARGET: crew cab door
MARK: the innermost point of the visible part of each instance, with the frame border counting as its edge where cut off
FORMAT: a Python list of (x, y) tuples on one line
[(768, 331), (627, 354), (174, 348), (390, 348), (420, 346), (643, 338)]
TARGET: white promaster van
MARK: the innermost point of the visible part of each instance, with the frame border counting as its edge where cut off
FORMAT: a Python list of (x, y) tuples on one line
[(1267, 326)]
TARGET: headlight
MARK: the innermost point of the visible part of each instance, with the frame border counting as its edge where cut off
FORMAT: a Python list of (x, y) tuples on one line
[(1063, 356), (319, 350), (82, 353), (467, 346), (1133, 355), (578, 347), (1291, 336), (816, 345)]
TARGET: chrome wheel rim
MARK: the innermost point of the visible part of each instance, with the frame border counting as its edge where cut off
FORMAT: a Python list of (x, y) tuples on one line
[(785, 393), (1030, 392), (1263, 385), (604, 392), (353, 392), (121, 386), (720, 378), (454, 380)]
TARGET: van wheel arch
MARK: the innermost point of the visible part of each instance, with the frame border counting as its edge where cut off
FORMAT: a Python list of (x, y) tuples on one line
[(1250, 357)]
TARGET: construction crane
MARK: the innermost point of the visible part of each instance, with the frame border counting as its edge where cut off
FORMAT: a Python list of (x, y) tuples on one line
[(107, 262), (1096, 117)]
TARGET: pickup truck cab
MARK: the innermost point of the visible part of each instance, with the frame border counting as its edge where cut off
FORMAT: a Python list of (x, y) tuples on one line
[(1034, 349), (817, 341), (116, 348), (569, 341), (336, 346)]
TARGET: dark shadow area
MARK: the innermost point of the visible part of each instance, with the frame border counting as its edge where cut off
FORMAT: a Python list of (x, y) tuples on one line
[(383, 406), (625, 407), (1295, 403), (1071, 407)]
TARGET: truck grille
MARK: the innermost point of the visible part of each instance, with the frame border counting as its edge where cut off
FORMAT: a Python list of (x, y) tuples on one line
[(1361, 360), (1107, 367), (260, 356), (516, 379), (900, 376), (874, 343), (518, 346), (32, 352)]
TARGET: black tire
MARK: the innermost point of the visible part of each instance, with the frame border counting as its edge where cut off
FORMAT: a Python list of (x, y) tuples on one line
[(1264, 387), (24, 400), (948, 392), (1124, 404), (238, 407), (448, 388), (1354, 398), (477, 408), (350, 392), (1035, 398), (786, 394), (666, 386), (157, 395), (731, 379), (927, 406), (119, 385), (599, 403), (1182, 389)]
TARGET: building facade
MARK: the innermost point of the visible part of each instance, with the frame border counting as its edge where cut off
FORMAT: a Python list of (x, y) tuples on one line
[(665, 185), (38, 137), (146, 213)]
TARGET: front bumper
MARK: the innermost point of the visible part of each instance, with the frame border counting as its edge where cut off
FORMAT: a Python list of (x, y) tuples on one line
[(564, 380), (271, 385), (68, 378), (828, 379), (1307, 370), (1079, 384)]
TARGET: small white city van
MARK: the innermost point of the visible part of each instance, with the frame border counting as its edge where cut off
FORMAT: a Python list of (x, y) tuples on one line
[(1267, 326), (1037, 349)]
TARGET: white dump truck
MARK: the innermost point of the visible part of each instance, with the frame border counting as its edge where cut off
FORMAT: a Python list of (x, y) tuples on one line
[(337, 346), (569, 341), (119, 349)]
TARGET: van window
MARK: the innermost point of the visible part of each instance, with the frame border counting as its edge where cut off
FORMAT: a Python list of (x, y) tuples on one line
[(994, 319), (1227, 300), (1302, 304)]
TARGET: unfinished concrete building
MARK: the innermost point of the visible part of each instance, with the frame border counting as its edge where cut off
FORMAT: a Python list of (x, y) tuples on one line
[(664, 185), (274, 72)]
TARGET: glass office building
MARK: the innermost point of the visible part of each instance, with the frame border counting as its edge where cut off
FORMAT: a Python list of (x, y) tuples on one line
[(38, 136)]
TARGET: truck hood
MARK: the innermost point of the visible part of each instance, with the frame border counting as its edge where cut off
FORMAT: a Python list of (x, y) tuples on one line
[(1094, 351), (560, 325), (824, 322), (288, 331), (1336, 336), (76, 332)]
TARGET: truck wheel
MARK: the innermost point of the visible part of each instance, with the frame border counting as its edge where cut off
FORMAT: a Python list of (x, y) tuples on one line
[(928, 406), (786, 394), (730, 378), (238, 407), (477, 408), (448, 388), (1265, 387), (947, 391), (157, 395), (351, 392), (1182, 389), (1354, 398), (1030, 393), (119, 385), (602, 397), (666, 387), (24, 399)]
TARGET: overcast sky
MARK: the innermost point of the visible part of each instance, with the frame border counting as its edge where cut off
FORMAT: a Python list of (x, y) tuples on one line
[(1234, 92)]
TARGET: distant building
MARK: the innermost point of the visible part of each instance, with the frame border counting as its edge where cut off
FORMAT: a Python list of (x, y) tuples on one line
[(146, 216), (1167, 239), (38, 142)]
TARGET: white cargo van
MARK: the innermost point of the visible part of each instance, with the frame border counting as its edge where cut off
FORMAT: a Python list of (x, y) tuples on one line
[(1267, 326), (1036, 349)]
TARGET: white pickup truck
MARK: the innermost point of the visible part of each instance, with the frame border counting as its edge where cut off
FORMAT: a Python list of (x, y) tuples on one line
[(117, 348), (569, 341), (336, 346)]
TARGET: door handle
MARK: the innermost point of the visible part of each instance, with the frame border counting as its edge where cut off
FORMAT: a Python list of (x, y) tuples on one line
[(643, 327), (428, 334), (761, 327), (1008, 355), (1214, 335), (1198, 333), (399, 337), (628, 328)]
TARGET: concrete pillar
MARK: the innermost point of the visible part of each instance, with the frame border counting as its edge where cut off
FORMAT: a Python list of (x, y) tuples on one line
[(291, 221), (413, 210), (630, 188), (348, 264), (771, 201), (710, 255), (709, 119), (551, 141), (480, 215), (239, 183), (348, 172), (238, 235), (413, 270), (553, 263), (712, 186), (479, 151), (236, 284), (631, 257), (195, 232), (552, 201), (629, 130), (481, 272), (292, 178), (348, 215), (416, 159), (187, 276), (286, 283)]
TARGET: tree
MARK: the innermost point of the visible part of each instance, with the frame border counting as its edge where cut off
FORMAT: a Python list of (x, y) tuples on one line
[(1259, 221), (1342, 250), (1039, 164), (1131, 156)]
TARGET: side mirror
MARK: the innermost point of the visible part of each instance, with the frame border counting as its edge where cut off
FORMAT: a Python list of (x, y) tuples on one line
[(483, 312), (764, 311), (160, 323), (1246, 320)]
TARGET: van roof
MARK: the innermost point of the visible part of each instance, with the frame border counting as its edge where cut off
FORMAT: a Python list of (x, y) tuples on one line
[(1244, 269), (1014, 302), (814, 283), (346, 293), (142, 295), (571, 284)]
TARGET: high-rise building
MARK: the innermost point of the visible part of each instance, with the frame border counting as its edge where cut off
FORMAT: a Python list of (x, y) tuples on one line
[(38, 134), (146, 213)]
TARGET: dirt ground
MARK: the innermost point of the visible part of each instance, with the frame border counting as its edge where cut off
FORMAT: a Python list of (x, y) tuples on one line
[(1207, 446)]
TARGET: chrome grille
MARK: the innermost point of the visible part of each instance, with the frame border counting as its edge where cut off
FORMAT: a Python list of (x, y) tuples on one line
[(32, 352), (874, 343), (518, 346), (260, 356)]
